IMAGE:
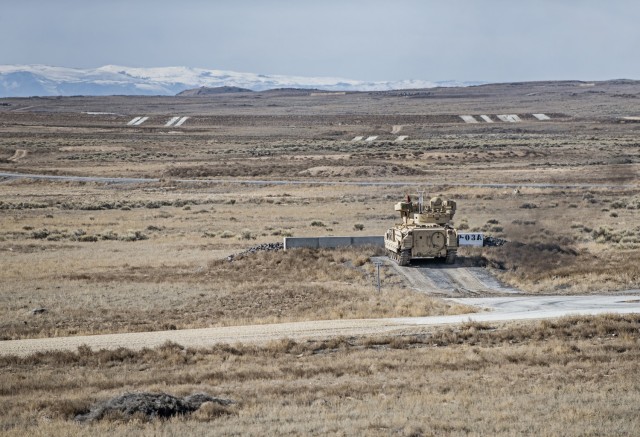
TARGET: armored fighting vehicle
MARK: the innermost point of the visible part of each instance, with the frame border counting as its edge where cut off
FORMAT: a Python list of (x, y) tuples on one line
[(425, 231)]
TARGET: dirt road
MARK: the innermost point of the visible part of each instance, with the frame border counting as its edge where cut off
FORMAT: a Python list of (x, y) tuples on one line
[(449, 280), (493, 309)]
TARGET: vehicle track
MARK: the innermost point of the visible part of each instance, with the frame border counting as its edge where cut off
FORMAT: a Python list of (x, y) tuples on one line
[(20, 153), (449, 280)]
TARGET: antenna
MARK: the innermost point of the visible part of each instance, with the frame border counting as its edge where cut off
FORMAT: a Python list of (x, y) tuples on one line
[(421, 202)]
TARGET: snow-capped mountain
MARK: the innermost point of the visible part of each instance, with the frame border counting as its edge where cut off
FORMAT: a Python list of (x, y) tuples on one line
[(43, 80)]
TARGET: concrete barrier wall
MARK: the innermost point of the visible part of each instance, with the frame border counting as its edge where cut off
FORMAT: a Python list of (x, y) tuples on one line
[(332, 242)]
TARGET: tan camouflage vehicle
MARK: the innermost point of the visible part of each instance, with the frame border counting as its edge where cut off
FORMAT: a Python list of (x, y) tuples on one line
[(425, 232)]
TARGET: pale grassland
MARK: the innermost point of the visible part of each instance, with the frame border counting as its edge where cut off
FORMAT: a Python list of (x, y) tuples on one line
[(570, 377), (176, 277)]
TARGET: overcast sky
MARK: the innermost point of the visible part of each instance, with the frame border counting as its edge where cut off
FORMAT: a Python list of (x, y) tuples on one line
[(485, 40)]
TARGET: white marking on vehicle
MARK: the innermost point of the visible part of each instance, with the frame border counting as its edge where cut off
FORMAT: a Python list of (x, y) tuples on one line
[(181, 121), (486, 118), (542, 117), (170, 122), (468, 119), (470, 239), (357, 139), (401, 138), (371, 138), (134, 121)]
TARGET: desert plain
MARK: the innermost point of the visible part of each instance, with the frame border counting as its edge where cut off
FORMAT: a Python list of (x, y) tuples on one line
[(131, 227)]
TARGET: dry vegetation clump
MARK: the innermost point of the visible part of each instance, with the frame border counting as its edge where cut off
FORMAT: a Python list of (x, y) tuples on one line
[(355, 166), (622, 238), (104, 205), (572, 376), (552, 267), (544, 255), (244, 169), (81, 235)]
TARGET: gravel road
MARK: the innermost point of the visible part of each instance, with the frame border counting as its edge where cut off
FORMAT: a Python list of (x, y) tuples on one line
[(493, 309)]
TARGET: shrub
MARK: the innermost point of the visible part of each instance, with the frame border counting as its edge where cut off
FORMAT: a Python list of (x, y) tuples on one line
[(227, 234), (524, 222), (109, 235), (618, 204), (317, 223), (40, 234), (246, 234), (358, 227), (528, 206), (134, 236)]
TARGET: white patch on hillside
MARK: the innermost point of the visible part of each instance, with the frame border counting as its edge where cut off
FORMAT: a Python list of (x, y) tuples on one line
[(170, 122), (181, 121)]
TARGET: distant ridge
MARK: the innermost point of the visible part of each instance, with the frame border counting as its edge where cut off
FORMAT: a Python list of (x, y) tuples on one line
[(207, 91), (44, 80)]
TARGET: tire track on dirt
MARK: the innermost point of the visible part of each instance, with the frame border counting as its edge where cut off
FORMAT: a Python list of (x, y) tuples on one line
[(448, 280), (19, 154)]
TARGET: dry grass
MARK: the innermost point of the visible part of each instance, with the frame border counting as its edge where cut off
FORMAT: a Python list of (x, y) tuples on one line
[(175, 278), (575, 376), (76, 249), (266, 287)]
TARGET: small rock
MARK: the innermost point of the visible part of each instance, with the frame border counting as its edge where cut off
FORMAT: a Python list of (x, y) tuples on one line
[(38, 311), (269, 247), (494, 241)]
